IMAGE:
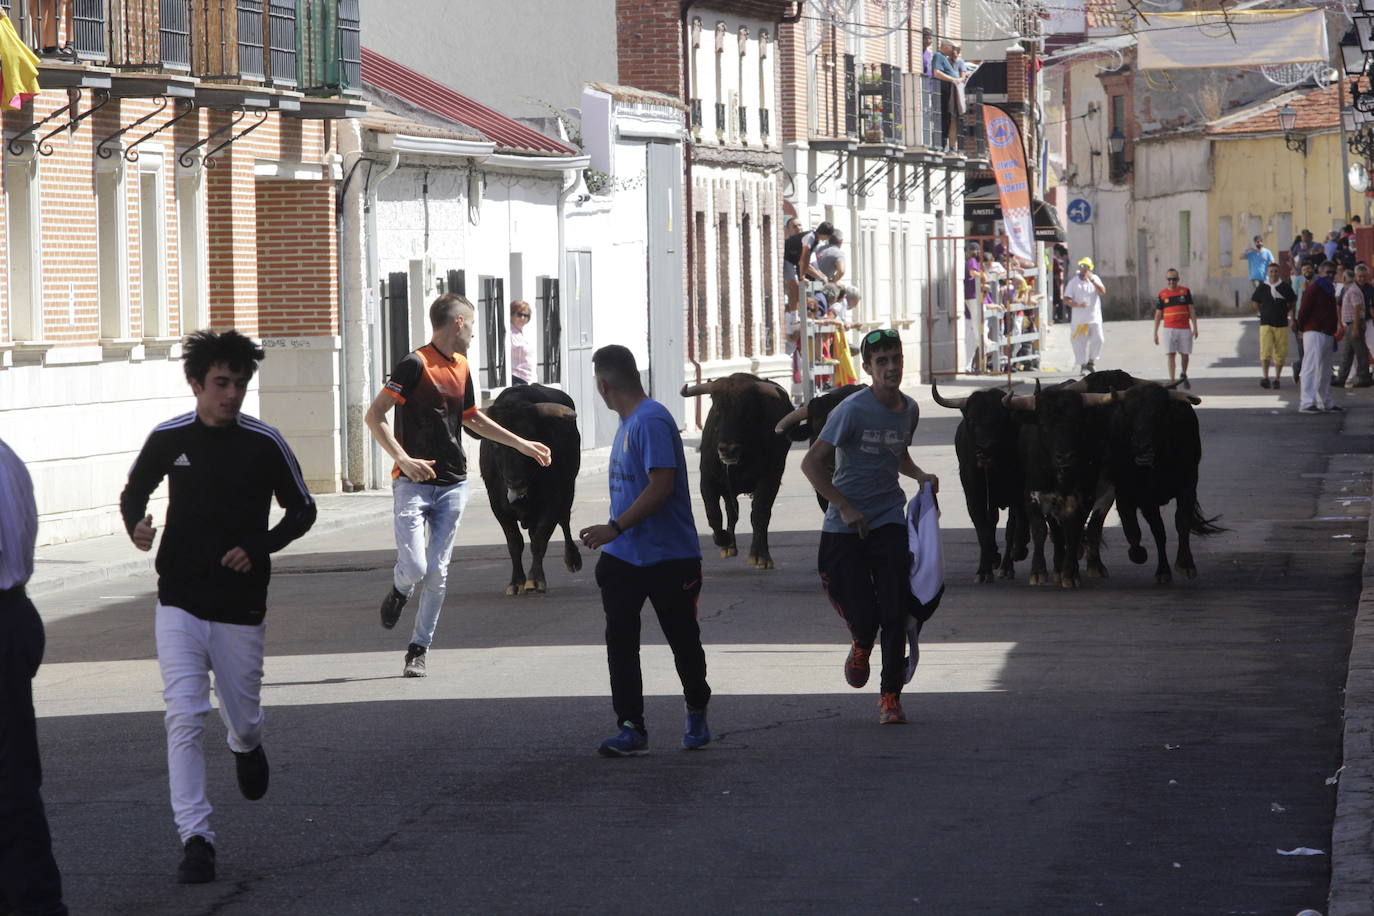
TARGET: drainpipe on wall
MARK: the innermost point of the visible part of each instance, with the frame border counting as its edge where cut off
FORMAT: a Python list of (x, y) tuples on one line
[(371, 271), (689, 218), (564, 193)]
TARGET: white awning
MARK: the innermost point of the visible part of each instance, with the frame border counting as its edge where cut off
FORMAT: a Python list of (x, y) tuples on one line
[(1195, 40)]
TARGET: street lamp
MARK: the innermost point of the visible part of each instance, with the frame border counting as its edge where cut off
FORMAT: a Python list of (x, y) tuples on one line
[(1116, 145), (1353, 57), (1348, 121), (1288, 119)]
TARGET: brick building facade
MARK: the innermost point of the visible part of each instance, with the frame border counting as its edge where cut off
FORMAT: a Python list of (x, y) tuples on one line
[(146, 197)]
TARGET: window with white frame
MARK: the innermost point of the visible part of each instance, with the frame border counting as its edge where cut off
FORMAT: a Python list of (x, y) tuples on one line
[(23, 232), (152, 248), (191, 250), (111, 210)]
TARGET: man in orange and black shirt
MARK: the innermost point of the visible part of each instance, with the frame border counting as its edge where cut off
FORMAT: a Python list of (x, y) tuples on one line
[(1174, 309), (431, 389)]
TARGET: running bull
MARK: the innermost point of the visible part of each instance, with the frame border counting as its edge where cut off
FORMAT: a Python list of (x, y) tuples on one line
[(521, 493), (1063, 458), (740, 453), (1154, 448), (990, 470), (807, 421)]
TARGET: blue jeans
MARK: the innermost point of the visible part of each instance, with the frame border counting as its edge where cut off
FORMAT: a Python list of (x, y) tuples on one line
[(427, 519)]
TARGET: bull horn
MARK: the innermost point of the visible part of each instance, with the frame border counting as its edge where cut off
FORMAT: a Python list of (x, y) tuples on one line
[(951, 403), (1018, 401), (791, 420), (1093, 399), (550, 409), (1185, 396), (696, 391)]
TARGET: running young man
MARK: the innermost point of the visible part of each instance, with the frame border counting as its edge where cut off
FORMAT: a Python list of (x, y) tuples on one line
[(652, 552), (1174, 308), (431, 389), (864, 558), (222, 467)]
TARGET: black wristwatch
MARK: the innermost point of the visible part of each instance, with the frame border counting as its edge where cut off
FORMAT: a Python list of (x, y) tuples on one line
[(616, 525)]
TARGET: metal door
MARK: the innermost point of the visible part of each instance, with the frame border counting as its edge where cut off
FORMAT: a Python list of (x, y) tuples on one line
[(667, 309)]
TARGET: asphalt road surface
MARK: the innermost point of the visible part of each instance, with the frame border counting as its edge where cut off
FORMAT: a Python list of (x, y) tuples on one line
[(1125, 748)]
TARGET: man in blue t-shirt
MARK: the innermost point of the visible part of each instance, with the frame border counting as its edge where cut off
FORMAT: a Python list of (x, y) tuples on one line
[(1259, 259), (652, 552), (864, 557)]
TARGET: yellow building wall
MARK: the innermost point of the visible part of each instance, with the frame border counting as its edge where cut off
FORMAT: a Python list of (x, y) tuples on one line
[(1260, 178)]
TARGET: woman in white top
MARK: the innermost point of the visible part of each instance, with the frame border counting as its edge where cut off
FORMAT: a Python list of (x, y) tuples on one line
[(521, 347)]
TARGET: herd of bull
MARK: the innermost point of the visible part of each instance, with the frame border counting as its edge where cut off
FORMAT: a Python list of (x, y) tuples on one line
[(1055, 460)]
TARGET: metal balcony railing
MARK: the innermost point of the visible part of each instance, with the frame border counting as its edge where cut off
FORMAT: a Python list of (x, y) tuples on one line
[(311, 44), (330, 58)]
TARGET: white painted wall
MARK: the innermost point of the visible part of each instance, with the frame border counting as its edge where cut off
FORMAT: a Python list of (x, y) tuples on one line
[(80, 426), (518, 212)]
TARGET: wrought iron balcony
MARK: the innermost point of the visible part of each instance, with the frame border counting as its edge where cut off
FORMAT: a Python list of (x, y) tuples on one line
[(311, 44)]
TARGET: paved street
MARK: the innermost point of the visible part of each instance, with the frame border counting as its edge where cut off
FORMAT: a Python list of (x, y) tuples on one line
[(1126, 748)]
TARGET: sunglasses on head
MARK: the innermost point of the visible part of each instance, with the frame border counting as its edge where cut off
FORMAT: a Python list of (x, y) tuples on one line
[(873, 337), (521, 314)]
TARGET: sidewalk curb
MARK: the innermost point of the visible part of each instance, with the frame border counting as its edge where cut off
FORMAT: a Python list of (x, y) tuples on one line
[(1352, 832), (337, 510)]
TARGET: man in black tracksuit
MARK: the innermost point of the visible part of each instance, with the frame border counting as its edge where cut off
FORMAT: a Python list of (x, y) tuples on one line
[(222, 468)]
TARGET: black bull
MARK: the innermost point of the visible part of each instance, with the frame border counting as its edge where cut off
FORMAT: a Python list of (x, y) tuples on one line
[(740, 453), (521, 493), (1063, 458), (1154, 448), (807, 421), (990, 470)]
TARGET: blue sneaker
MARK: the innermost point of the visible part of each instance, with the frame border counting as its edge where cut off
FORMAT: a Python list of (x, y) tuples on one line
[(696, 734), (631, 742)]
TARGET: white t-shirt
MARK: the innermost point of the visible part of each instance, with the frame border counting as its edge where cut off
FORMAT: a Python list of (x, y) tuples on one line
[(1082, 290)]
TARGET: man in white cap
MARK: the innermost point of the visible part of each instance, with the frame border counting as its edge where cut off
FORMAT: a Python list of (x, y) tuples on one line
[(1083, 295)]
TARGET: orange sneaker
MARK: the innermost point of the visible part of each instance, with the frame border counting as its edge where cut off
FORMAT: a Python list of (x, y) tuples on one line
[(856, 666), (890, 710)]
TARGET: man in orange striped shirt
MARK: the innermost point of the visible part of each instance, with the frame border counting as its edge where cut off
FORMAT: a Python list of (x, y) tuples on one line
[(1174, 308)]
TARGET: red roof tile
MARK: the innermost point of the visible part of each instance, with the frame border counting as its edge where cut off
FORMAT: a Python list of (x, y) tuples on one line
[(505, 132), (1317, 109)]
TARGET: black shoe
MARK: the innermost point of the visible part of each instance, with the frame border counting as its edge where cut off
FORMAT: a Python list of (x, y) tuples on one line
[(391, 607), (1264, 383), (1335, 408), (1184, 383), (415, 661), (197, 863), (1089, 368), (1275, 386), (251, 768)]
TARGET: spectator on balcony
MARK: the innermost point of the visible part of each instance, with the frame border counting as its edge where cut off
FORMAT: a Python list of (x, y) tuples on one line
[(811, 241), (521, 347), (831, 259), (942, 68), (927, 52), (794, 239), (45, 15)]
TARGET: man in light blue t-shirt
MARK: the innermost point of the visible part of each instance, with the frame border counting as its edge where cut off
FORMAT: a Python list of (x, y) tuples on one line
[(652, 552), (864, 558), (1259, 259)]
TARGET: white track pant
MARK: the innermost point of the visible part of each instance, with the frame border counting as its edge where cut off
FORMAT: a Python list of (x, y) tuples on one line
[(1087, 340), (1318, 349), (188, 649)]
